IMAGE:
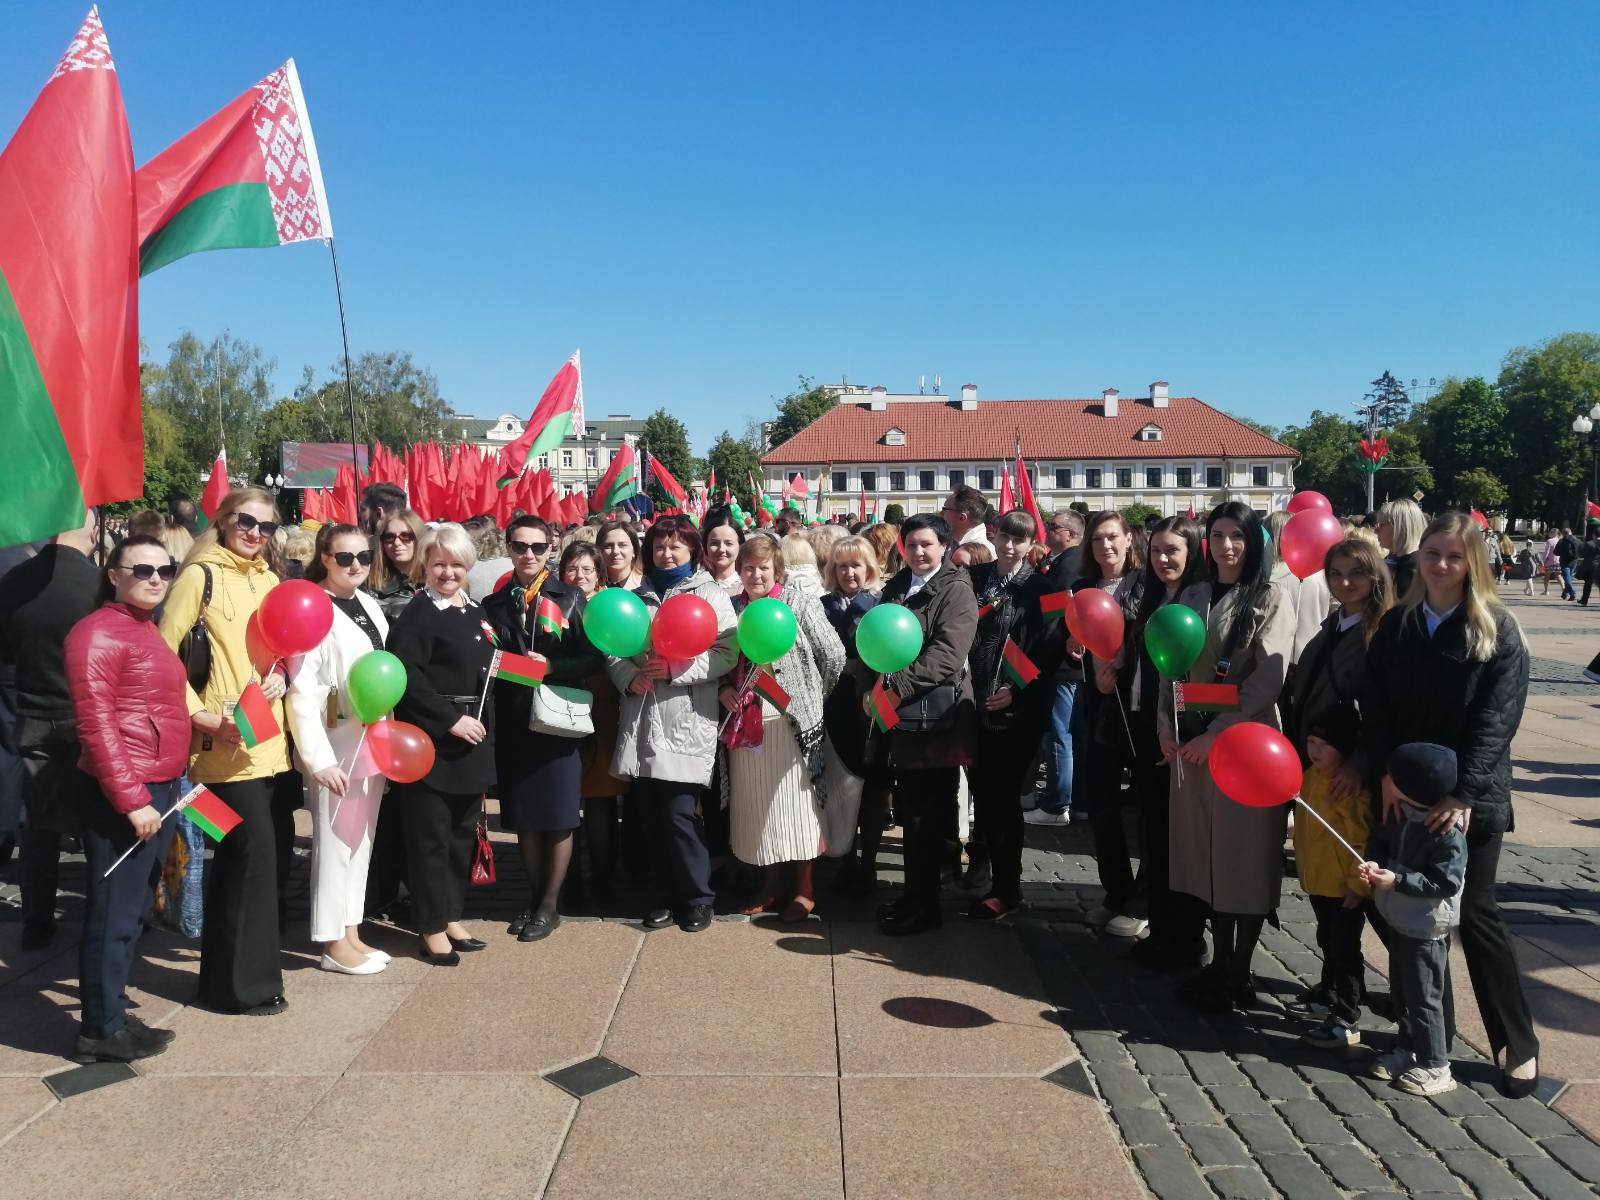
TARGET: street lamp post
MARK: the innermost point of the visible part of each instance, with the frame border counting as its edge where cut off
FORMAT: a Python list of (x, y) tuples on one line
[(1588, 425)]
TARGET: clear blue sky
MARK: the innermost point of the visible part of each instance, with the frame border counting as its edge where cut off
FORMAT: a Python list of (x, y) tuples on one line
[(1265, 204)]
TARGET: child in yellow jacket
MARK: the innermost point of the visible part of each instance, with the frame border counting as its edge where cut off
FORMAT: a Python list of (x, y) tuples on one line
[(1330, 874)]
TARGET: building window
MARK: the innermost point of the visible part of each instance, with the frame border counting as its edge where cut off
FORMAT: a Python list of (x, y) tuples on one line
[(897, 481), (1063, 477), (958, 478), (1091, 477), (544, 462), (1258, 476), (592, 457), (840, 481), (1152, 477), (1185, 477), (1213, 477), (566, 458), (869, 481), (1150, 433), (925, 480), (1124, 477), (986, 479)]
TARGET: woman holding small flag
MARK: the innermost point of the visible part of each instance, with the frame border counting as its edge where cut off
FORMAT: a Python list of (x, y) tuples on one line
[(774, 778), (539, 775), (448, 650), (327, 733), (131, 702), (238, 750), (1228, 855)]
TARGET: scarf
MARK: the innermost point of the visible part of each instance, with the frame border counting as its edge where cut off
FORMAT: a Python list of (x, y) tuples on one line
[(522, 597), (663, 579)]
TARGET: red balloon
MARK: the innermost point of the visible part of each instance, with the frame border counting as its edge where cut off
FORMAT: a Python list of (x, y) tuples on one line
[(683, 627), (295, 616), (1308, 501), (1254, 764), (262, 656), (1305, 540), (1095, 619), (402, 752)]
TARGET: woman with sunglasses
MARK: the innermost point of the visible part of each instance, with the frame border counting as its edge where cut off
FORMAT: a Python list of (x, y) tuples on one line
[(539, 775), (131, 704), (344, 811), (397, 569), (239, 965)]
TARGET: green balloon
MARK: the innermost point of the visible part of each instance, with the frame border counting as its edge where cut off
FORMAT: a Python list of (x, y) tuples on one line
[(377, 681), (617, 622), (889, 638), (1174, 637), (766, 630)]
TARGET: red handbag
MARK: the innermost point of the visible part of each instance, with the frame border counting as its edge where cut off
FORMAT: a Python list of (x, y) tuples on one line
[(482, 873)]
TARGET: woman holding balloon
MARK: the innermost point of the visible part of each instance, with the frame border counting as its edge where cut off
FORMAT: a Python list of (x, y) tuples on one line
[(326, 716)]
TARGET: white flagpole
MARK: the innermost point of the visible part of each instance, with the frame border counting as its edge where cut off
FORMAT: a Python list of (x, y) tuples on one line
[(183, 803)]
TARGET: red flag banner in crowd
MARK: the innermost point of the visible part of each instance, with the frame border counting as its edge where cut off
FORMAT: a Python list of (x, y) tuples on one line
[(1019, 668), (1591, 509), (217, 487), (69, 321), (1480, 519), (1007, 502), (664, 478), (620, 481), (1054, 605), (798, 486), (557, 416), (1025, 497)]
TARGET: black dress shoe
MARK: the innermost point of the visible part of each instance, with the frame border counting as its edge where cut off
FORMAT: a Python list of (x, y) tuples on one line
[(657, 918), (270, 1007), (37, 937), (540, 927), (467, 944), (448, 959), (519, 922), (125, 1045), (892, 910), (921, 921), (978, 877), (698, 918), (148, 1032)]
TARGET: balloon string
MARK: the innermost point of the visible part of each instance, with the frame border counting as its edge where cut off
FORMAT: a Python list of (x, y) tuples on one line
[(1126, 728), (1360, 858), (339, 800)]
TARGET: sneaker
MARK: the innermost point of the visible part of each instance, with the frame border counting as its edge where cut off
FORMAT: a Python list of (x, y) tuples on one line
[(1313, 1002), (1426, 1081), (1099, 917), (1126, 927), (1389, 1066), (1043, 816), (1332, 1034)]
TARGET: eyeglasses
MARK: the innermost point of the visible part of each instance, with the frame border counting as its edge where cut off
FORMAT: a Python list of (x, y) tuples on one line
[(348, 558), (528, 547), (244, 522), (144, 572), (404, 536)]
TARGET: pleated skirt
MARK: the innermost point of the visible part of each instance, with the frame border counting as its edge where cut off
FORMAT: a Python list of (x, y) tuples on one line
[(774, 814)]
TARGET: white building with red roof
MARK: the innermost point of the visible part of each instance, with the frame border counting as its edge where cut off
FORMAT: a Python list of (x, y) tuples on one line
[(1170, 452)]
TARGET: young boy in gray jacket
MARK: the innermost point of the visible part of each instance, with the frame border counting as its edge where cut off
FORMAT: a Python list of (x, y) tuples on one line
[(1416, 875)]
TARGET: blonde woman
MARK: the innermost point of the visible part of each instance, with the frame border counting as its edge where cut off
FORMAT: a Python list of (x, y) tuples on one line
[(397, 567), (822, 539), (800, 564), (1450, 666), (239, 967), (884, 540), (1399, 529)]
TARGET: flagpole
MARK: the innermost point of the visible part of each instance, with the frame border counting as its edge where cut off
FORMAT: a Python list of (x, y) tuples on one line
[(141, 841), (349, 384)]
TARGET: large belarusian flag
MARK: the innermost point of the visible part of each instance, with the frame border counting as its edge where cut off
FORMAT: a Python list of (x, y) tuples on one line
[(70, 427), (248, 176), (620, 481), (558, 416)]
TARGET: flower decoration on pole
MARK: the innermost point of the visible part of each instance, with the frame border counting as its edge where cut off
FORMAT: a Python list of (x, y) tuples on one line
[(1374, 452)]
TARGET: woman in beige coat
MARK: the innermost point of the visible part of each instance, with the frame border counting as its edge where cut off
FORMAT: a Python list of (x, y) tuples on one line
[(1227, 854)]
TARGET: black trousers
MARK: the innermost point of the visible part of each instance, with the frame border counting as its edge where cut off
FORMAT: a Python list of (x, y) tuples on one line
[(387, 873), (1339, 938), (55, 793), (1102, 777), (114, 907), (925, 802), (670, 821), (1492, 957), (441, 830), (239, 965), (288, 794), (996, 776)]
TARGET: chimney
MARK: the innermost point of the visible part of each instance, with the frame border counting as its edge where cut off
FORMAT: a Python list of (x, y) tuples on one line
[(969, 397), (1158, 394), (879, 401), (1108, 402)]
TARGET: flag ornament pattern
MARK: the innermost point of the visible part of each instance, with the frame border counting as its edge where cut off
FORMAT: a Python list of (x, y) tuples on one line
[(1205, 697), (1019, 668), (770, 690), (526, 669), (884, 715), (547, 615), (253, 717), (208, 810), (248, 176), (1055, 604)]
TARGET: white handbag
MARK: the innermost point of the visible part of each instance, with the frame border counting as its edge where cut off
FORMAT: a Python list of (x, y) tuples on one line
[(562, 711)]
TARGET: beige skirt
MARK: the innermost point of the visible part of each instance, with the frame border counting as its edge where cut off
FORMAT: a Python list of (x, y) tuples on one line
[(773, 815)]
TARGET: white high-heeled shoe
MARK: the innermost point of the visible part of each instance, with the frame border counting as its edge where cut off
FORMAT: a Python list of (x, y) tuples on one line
[(369, 966)]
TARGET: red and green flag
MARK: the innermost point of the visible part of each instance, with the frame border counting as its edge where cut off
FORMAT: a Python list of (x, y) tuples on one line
[(1591, 509), (70, 421), (884, 715), (547, 615), (620, 481), (1054, 605), (216, 487), (526, 669), (253, 716), (208, 810), (1205, 697), (247, 176), (1019, 668), (557, 416), (770, 690), (658, 474)]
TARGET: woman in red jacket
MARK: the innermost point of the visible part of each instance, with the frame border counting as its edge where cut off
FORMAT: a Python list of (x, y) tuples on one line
[(128, 694)]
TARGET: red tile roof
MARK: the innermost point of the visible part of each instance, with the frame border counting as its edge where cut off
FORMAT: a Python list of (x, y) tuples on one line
[(1049, 429)]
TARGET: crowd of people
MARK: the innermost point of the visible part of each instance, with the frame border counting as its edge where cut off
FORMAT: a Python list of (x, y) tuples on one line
[(1395, 671)]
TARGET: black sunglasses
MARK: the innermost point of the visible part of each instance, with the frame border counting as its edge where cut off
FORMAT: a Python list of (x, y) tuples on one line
[(246, 523), (528, 547), (404, 536), (346, 558), (145, 571)]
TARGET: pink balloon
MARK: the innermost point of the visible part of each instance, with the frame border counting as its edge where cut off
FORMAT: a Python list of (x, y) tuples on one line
[(400, 751), (1305, 540), (683, 627), (1303, 501), (1095, 619), (295, 617), (1255, 765)]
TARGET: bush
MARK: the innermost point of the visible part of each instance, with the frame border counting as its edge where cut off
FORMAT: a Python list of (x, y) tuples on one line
[(1137, 514), (1078, 506), (894, 514)]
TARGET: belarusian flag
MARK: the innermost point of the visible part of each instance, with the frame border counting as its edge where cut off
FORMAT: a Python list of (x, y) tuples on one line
[(216, 487), (1055, 604), (884, 715), (208, 810), (1592, 509), (547, 615), (526, 669), (253, 716), (248, 176), (665, 479), (770, 690), (557, 416), (70, 423), (620, 481), (1205, 697), (1018, 666)]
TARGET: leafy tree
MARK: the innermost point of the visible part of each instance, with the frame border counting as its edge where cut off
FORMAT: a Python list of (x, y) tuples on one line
[(209, 392), (1079, 506), (1480, 489), (1136, 514), (1259, 426), (1327, 445), (894, 514), (397, 403), (798, 409), (665, 437), (1543, 388), (1388, 401), (734, 460), (1463, 432)]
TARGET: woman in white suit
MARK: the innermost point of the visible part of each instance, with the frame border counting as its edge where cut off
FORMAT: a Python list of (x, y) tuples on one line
[(326, 733)]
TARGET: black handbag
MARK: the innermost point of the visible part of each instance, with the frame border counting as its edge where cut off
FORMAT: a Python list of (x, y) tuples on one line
[(930, 711), (195, 648)]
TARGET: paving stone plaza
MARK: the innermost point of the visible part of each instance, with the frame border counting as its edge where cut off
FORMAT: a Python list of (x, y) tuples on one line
[(825, 1060)]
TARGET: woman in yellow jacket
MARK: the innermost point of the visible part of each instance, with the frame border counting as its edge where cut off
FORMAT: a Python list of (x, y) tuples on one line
[(239, 970)]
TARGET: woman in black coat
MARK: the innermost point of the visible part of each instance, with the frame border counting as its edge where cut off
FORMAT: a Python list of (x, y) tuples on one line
[(851, 577), (539, 776), (1451, 667), (444, 642)]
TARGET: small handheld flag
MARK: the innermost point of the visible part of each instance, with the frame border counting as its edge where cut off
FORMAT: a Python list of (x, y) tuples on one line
[(253, 717), (547, 615), (770, 690), (884, 715), (1017, 665), (984, 610), (207, 810), (1055, 605), (526, 669), (1205, 697)]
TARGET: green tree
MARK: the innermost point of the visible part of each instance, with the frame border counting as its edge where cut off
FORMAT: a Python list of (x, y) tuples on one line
[(1480, 489), (798, 409), (397, 403), (665, 437), (1135, 514), (734, 460), (1388, 401), (1271, 431), (894, 514), (211, 392), (1327, 444), (1463, 433), (1544, 387)]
